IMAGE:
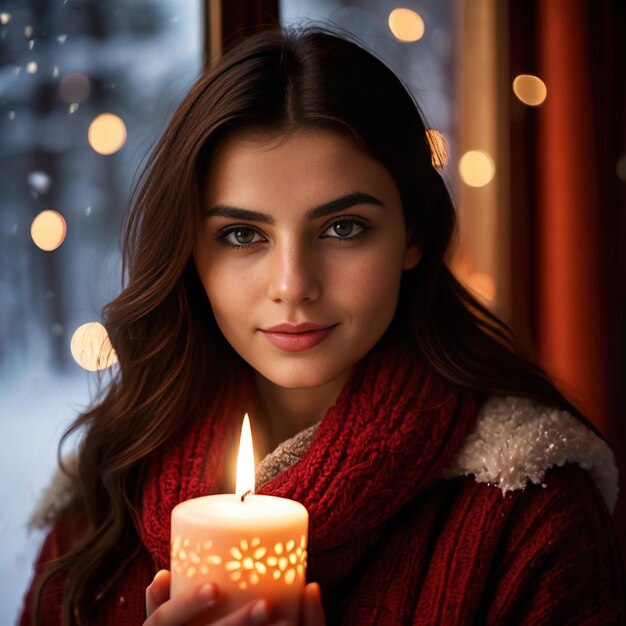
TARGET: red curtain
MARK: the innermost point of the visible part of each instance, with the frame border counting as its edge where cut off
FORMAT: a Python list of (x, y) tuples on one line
[(569, 214), (568, 203)]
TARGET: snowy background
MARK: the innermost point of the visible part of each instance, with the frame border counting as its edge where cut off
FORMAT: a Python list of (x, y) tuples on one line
[(139, 57), (136, 59)]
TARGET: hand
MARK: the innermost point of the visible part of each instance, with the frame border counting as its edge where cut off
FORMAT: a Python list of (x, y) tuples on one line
[(163, 611)]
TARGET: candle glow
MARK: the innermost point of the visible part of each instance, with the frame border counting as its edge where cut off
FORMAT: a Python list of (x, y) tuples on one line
[(245, 460), (251, 547)]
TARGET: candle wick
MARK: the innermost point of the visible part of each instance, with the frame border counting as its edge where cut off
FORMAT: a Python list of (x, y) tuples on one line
[(243, 497)]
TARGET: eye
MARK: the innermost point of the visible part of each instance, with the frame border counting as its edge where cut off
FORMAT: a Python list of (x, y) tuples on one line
[(346, 229), (238, 236), (243, 235)]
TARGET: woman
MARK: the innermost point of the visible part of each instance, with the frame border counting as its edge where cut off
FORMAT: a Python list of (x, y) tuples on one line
[(286, 257)]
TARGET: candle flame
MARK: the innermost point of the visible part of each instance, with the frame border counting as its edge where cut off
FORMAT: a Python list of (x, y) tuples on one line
[(245, 460)]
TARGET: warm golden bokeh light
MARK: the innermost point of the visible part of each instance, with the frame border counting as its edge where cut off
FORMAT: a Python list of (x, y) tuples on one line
[(5, 18), (74, 87), (406, 24), (31, 67), (107, 133), (482, 284), (477, 168), (438, 148), (48, 230), (91, 347), (531, 90)]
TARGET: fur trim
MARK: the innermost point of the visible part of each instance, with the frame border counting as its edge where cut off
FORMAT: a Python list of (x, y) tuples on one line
[(62, 491), (284, 456), (516, 440)]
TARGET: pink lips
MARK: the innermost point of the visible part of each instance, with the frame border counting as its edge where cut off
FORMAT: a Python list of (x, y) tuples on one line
[(297, 337)]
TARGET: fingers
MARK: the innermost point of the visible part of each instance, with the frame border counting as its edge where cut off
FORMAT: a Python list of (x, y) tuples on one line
[(158, 591), (255, 613), (312, 612), (165, 612)]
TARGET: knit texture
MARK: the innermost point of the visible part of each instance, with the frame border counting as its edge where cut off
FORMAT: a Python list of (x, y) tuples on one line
[(390, 542)]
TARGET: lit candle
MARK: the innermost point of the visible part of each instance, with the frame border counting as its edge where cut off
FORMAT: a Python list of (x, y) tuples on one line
[(252, 546)]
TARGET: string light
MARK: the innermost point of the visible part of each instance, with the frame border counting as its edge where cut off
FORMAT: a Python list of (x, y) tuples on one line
[(91, 347), (438, 148), (406, 25), (476, 168), (530, 90), (107, 133), (48, 230)]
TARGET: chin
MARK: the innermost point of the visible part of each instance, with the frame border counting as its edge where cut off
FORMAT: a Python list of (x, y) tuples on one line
[(295, 379)]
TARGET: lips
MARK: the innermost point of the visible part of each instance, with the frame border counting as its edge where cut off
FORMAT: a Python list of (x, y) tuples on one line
[(297, 337)]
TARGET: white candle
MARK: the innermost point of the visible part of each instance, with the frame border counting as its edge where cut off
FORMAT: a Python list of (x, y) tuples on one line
[(252, 546)]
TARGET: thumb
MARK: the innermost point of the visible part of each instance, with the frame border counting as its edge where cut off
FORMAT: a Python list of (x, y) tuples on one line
[(158, 591), (312, 612)]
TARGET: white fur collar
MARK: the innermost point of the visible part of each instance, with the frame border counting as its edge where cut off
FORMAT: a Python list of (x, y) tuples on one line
[(58, 495), (515, 440)]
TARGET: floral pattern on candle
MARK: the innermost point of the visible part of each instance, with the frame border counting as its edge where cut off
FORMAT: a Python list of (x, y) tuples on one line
[(251, 560), (193, 559)]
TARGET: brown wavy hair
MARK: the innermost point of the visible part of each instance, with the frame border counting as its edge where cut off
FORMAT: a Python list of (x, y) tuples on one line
[(161, 325)]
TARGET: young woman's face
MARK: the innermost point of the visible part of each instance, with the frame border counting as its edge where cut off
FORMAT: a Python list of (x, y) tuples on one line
[(300, 250)]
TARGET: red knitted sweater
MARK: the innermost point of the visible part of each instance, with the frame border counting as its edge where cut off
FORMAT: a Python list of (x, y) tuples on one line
[(391, 543)]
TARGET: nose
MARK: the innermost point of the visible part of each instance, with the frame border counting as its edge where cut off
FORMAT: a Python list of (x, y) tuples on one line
[(293, 273)]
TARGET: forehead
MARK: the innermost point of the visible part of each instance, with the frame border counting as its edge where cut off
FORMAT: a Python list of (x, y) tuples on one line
[(308, 163)]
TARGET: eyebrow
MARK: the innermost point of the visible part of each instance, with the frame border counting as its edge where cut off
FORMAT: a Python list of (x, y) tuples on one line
[(328, 208)]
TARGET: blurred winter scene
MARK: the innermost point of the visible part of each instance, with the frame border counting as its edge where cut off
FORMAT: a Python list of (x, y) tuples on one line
[(86, 87)]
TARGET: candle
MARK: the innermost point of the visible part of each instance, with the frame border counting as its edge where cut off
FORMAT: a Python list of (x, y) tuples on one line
[(252, 546)]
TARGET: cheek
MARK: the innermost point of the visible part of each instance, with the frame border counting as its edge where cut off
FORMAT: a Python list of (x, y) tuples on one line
[(223, 293), (372, 284)]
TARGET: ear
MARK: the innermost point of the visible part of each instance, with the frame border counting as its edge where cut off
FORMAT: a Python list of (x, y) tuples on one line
[(412, 256)]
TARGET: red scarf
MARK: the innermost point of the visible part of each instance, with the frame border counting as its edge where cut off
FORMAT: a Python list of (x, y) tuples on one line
[(390, 542), (390, 435), (387, 440)]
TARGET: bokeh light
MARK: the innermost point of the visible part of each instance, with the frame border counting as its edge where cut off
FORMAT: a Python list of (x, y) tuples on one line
[(531, 90), (74, 87), (438, 148), (5, 18), (48, 230), (39, 181), (482, 284), (107, 133), (91, 347), (31, 67), (406, 24), (477, 168)]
